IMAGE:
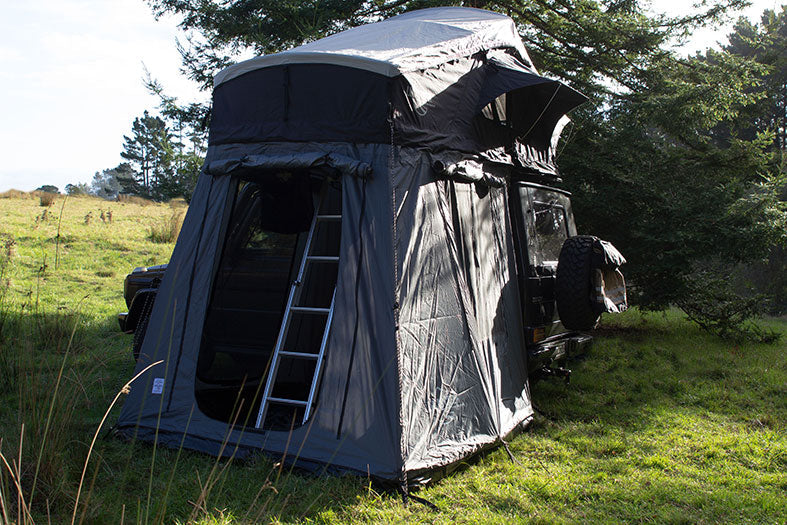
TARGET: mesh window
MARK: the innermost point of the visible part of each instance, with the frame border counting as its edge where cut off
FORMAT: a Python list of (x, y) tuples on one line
[(264, 245)]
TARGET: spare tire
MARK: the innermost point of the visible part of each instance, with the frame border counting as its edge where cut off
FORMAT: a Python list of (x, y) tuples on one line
[(574, 282), (139, 335), (142, 325)]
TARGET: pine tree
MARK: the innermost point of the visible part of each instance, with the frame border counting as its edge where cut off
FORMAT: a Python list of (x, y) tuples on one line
[(766, 44), (149, 151)]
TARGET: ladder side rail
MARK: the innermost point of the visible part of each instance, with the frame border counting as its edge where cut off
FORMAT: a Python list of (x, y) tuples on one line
[(320, 358)]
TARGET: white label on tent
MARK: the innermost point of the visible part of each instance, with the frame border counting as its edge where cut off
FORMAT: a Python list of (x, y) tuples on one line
[(158, 385)]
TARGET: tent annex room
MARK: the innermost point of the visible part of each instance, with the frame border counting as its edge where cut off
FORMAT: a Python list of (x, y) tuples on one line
[(344, 285)]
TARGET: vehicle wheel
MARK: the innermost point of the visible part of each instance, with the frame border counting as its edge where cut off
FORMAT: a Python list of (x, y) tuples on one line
[(574, 282), (139, 332)]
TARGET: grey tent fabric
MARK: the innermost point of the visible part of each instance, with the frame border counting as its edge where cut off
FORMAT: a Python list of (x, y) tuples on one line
[(413, 41), (174, 412), (440, 68), (425, 361), (460, 324)]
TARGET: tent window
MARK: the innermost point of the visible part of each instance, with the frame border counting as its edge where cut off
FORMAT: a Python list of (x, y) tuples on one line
[(496, 110), (264, 244)]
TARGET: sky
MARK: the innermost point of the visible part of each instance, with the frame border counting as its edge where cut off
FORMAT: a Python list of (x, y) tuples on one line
[(71, 82)]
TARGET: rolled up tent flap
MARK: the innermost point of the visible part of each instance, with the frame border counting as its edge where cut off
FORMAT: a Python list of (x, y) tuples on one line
[(299, 161), (467, 170)]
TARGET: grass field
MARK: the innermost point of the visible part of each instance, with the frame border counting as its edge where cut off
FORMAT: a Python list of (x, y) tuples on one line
[(661, 422)]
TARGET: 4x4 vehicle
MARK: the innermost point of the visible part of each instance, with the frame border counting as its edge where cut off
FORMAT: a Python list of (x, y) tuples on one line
[(139, 290), (565, 280)]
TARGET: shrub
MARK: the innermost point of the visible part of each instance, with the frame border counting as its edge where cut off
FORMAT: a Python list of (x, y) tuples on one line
[(47, 199), (48, 188), (722, 311), (167, 230)]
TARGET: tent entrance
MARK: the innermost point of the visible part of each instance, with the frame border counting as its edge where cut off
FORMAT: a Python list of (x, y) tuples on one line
[(317, 317), (265, 246)]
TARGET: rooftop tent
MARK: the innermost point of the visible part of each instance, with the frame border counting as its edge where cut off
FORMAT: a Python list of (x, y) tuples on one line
[(344, 289), (421, 79)]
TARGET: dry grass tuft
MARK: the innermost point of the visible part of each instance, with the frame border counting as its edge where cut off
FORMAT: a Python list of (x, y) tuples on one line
[(8, 245), (46, 199), (167, 230), (134, 199)]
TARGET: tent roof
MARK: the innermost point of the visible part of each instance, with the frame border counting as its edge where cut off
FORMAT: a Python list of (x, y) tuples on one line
[(408, 42)]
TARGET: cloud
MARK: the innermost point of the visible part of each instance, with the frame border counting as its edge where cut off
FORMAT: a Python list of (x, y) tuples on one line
[(9, 54)]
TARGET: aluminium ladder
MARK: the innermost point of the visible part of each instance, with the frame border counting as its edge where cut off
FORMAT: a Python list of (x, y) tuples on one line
[(294, 307)]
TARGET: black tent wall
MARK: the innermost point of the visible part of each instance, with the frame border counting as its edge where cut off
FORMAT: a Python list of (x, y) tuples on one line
[(439, 109)]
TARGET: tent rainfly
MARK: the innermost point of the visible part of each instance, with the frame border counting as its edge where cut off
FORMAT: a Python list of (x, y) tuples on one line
[(343, 289)]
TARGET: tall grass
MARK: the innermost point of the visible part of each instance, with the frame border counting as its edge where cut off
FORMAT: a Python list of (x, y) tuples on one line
[(59, 354), (7, 364), (168, 229), (134, 199), (15, 194), (48, 399), (661, 422)]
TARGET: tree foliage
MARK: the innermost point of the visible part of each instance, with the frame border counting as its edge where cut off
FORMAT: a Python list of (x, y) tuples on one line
[(766, 44), (665, 160), (79, 188), (594, 45), (688, 205), (164, 154), (148, 150), (109, 183)]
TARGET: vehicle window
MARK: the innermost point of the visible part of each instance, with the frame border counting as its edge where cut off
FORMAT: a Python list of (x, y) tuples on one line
[(551, 229)]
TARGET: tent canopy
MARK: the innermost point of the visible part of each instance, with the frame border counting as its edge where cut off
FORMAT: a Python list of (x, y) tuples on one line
[(413, 41), (448, 79)]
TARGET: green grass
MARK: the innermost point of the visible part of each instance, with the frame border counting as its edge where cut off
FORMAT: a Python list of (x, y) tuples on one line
[(661, 422)]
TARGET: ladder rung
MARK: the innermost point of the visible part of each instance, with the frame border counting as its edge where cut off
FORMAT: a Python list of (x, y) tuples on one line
[(310, 310), (302, 355), (322, 258), (283, 401), (329, 217)]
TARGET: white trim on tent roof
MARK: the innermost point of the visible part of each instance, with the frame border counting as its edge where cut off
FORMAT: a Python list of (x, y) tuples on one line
[(408, 42)]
